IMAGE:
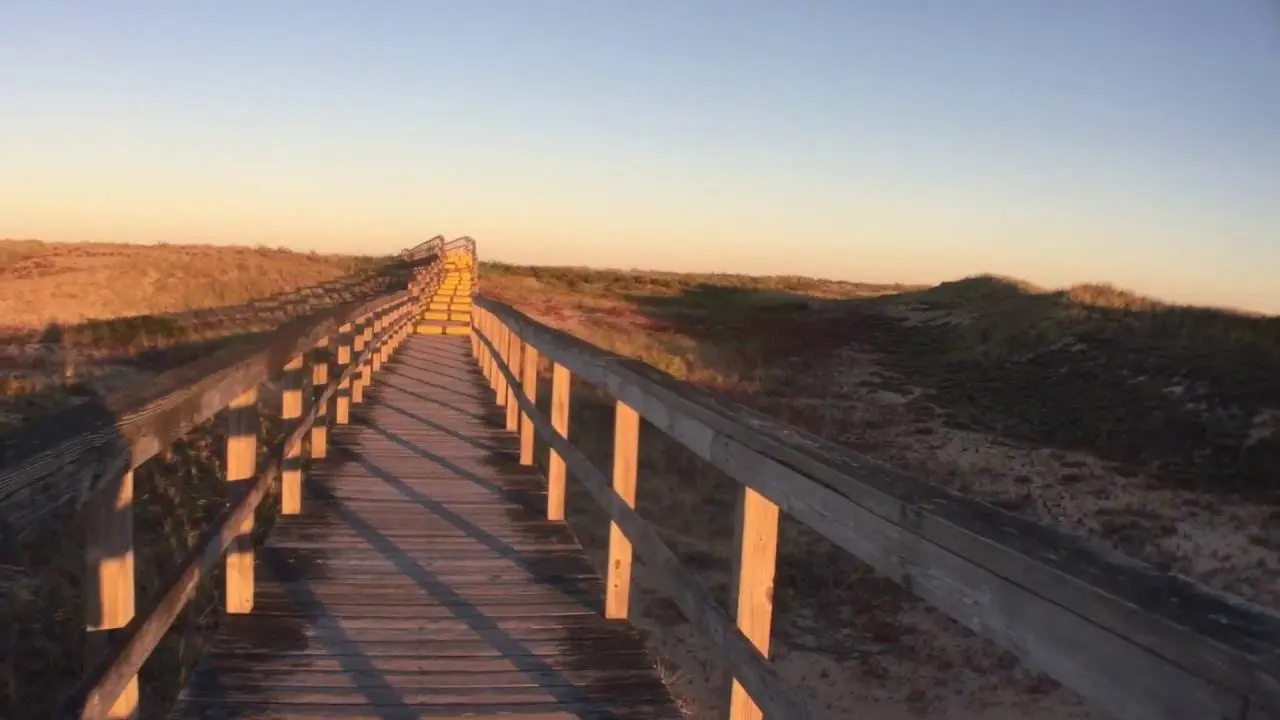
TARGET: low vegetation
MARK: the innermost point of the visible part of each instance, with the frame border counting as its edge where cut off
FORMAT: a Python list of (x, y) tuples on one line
[(1149, 427), (70, 283), (78, 320)]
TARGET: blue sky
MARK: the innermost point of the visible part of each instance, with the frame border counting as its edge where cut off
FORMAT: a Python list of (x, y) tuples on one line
[(1134, 141)]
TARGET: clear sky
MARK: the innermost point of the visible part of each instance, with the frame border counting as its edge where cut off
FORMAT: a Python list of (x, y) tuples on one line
[(1131, 141)]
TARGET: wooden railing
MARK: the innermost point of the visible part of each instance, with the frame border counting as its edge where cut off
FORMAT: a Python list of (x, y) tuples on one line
[(56, 460), (1132, 641), (94, 467)]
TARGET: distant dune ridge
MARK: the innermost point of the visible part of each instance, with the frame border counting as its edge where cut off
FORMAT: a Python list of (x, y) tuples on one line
[(1148, 427), (43, 283)]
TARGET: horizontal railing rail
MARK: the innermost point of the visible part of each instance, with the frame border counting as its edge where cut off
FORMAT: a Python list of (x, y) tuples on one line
[(56, 459), (1133, 641), (96, 466)]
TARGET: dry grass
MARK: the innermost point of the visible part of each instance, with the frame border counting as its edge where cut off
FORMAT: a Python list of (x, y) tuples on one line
[(70, 283), (123, 314), (1017, 395), (77, 320), (1187, 394)]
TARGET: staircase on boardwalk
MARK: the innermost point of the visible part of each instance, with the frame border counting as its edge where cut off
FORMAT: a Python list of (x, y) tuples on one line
[(448, 311)]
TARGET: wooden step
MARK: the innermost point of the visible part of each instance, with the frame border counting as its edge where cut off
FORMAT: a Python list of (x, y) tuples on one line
[(443, 327)]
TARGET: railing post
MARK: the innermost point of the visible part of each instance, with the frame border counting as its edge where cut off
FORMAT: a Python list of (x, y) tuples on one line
[(319, 379), (357, 351), (407, 329), (561, 382), (513, 405), (529, 381), (375, 360), (369, 342), (392, 340), (241, 463), (756, 563), (626, 447), (342, 407), (475, 342), (291, 462), (109, 586), (503, 341), (490, 372)]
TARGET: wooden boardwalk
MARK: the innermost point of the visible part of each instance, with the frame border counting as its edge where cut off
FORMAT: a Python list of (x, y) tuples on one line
[(422, 580)]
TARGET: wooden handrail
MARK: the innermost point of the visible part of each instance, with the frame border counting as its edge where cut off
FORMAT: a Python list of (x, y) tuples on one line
[(94, 696), (135, 425), (1135, 642), (40, 472), (675, 580)]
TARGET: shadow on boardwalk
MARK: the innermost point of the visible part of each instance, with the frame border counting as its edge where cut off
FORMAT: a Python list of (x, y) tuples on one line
[(421, 579)]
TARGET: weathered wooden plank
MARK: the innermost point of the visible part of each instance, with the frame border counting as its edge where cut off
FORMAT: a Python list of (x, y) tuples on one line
[(568, 663), (227, 710), (442, 540), (583, 649), (355, 614), (643, 691), (338, 678), (503, 634)]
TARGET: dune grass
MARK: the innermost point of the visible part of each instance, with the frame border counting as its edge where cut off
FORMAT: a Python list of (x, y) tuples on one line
[(1178, 394), (69, 283), (1186, 392)]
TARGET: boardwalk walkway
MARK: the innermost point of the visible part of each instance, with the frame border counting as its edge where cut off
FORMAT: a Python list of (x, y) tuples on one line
[(421, 579)]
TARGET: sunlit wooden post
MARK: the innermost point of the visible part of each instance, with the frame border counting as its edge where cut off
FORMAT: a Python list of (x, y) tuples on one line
[(342, 407), (489, 371), (561, 382), (393, 334), (475, 342), (529, 380), (756, 563), (291, 462), (502, 338), (319, 379), (357, 352), (241, 464), (387, 344), (375, 360), (109, 586), (406, 325), (626, 448), (513, 406)]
